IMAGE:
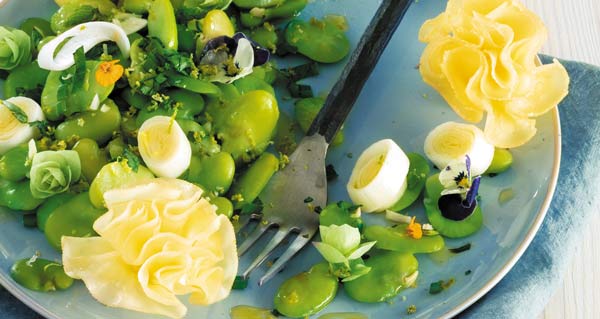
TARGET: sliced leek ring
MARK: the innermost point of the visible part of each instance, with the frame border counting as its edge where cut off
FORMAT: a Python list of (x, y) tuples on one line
[(378, 179), (451, 141), (164, 147), (86, 35)]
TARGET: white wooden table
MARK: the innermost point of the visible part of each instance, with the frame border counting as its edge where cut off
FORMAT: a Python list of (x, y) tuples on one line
[(574, 34)]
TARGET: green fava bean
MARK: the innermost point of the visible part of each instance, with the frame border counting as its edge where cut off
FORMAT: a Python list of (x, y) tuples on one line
[(214, 173), (254, 179), (14, 165), (305, 111), (17, 195), (249, 4), (137, 6), (114, 175), (195, 85), (92, 158), (417, 175), (115, 148), (390, 273), (97, 125), (162, 23), (447, 227), (44, 211), (339, 214), (145, 114), (320, 40), (306, 293), (253, 83), (397, 239), (40, 275), (26, 80), (501, 161), (256, 17), (245, 128), (224, 206), (286, 134), (136, 100), (202, 143), (74, 218), (39, 25), (77, 101), (75, 12), (190, 103), (265, 36), (268, 72)]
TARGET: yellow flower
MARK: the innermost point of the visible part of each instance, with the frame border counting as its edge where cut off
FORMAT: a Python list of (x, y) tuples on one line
[(481, 57), (109, 72), (414, 230)]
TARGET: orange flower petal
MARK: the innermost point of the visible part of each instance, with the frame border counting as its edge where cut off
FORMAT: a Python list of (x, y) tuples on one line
[(109, 72)]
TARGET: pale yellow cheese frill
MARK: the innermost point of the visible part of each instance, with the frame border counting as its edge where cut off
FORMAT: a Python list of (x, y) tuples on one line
[(481, 57), (158, 240)]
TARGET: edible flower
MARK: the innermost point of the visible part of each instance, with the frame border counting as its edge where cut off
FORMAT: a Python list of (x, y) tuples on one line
[(456, 179), (481, 57), (226, 59), (52, 172), (159, 239), (414, 229), (109, 72), (15, 48), (341, 247)]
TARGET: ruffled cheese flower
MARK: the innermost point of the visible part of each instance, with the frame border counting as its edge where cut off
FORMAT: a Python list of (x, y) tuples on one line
[(159, 239), (14, 124), (482, 57)]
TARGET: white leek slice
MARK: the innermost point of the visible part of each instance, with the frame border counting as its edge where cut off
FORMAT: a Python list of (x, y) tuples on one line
[(397, 217), (86, 35), (13, 132), (378, 179), (451, 141), (164, 147)]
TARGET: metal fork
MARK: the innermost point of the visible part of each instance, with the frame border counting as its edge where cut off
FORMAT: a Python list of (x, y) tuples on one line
[(291, 194)]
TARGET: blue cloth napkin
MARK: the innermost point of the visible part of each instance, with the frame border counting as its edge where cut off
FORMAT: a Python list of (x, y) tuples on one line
[(524, 292)]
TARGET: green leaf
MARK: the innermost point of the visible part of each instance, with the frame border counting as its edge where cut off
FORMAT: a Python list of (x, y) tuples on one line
[(361, 250), (133, 160), (330, 254), (17, 112), (80, 69)]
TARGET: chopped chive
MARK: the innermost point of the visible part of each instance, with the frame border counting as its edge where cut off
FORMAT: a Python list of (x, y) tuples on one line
[(460, 249), (318, 209), (300, 90), (16, 111), (468, 272), (436, 287), (331, 173), (240, 283), (309, 199), (301, 71)]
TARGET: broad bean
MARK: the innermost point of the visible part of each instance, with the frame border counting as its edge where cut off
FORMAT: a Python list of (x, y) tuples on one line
[(397, 239), (306, 293), (190, 103), (76, 12), (137, 6), (134, 99), (388, 276), (44, 211), (115, 148), (195, 85), (287, 9), (246, 126), (17, 195), (14, 165), (305, 111), (92, 158), (162, 23), (320, 40), (339, 214), (252, 83), (254, 179), (249, 4), (501, 161), (39, 25), (214, 173), (203, 144), (73, 218), (417, 175), (216, 23), (286, 134), (114, 175), (224, 206), (40, 275), (265, 36), (97, 125), (268, 72), (26, 80)]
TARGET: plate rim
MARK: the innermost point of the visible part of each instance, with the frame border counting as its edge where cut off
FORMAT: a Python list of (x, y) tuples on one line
[(533, 229)]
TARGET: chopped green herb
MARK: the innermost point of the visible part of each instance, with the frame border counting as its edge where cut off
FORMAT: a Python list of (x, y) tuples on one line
[(16, 111), (252, 208), (133, 160), (439, 286), (309, 199), (300, 72), (460, 249), (349, 155), (240, 283), (300, 90), (331, 173), (318, 209), (80, 69), (42, 126), (468, 272)]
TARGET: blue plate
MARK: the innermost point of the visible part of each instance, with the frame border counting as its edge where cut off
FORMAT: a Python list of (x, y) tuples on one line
[(396, 104)]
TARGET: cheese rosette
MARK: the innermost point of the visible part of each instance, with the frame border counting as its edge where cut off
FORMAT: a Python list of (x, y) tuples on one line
[(482, 58), (12, 131), (159, 239)]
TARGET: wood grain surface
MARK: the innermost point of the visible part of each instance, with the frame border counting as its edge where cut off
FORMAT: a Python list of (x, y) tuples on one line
[(574, 34)]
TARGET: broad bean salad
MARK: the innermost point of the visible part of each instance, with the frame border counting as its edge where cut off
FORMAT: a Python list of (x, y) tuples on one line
[(134, 134)]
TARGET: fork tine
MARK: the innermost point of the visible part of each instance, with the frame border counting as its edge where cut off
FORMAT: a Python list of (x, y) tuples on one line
[(294, 247), (243, 221), (252, 238), (275, 241)]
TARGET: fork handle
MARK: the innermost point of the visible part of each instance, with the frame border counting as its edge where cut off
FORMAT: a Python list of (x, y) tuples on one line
[(362, 62)]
